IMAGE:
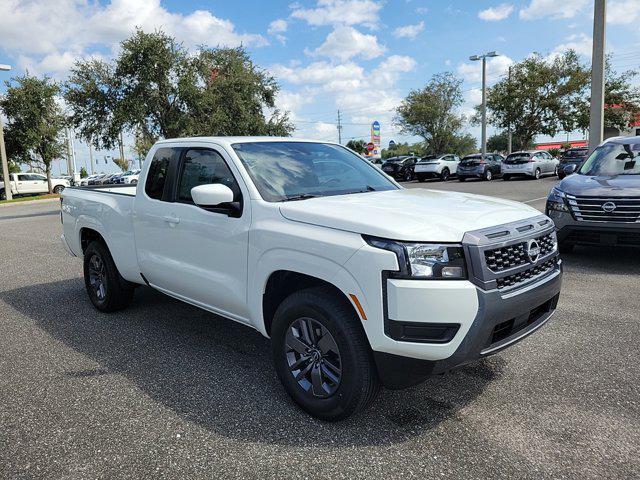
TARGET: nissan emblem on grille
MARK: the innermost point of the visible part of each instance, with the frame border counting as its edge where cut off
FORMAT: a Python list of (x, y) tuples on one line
[(533, 250), (609, 207)]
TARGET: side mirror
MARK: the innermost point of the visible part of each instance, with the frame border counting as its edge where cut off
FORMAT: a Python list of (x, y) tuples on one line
[(211, 195), (569, 169)]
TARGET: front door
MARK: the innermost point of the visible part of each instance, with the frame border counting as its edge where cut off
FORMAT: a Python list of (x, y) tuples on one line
[(196, 254)]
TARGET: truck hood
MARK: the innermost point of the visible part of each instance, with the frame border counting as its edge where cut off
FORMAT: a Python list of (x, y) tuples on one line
[(408, 214), (601, 186)]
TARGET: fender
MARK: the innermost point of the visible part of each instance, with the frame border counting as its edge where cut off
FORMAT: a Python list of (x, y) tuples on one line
[(300, 262)]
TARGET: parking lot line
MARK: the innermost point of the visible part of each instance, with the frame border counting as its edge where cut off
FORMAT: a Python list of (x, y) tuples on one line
[(535, 199)]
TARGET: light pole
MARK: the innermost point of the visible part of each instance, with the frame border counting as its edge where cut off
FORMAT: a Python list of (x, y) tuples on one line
[(3, 152), (475, 58), (596, 110)]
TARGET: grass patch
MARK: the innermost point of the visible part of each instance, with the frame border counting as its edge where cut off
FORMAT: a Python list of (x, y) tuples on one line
[(29, 198)]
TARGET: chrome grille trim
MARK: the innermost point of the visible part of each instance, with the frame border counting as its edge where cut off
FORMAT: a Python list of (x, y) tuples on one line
[(508, 241), (590, 209)]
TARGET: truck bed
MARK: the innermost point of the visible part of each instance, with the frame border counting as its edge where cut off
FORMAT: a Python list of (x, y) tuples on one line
[(107, 210)]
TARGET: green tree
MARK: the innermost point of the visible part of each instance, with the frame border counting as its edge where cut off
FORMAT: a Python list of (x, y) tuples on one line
[(83, 172), (158, 89), (122, 163), (35, 122), (621, 99), (541, 98), (358, 146), (463, 144), (404, 149), (499, 142), (431, 113)]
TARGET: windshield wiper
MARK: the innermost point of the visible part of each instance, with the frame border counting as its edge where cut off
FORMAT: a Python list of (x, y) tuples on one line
[(302, 196)]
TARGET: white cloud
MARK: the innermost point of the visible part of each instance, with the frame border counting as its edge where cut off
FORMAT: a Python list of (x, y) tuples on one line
[(409, 31), (398, 63), (344, 43), (277, 26), (581, 43), (555, 9), (497, 13), (623, 12), (339, 12), (44, 31), (422, 10)]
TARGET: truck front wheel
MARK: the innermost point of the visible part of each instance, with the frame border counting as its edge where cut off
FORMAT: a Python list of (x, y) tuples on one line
[(107, 290), (322, 355)]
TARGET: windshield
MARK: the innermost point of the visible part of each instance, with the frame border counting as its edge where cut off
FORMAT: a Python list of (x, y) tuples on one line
[(297, 170), (575, 153), (428, 158), (613, 159)]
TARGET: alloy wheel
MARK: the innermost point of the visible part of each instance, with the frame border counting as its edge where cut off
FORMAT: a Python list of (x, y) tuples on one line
[(97, 277), (313, 357)]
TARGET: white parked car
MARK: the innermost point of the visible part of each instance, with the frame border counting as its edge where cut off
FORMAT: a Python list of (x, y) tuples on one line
[(32, 184), (357, 281), (433, 166), (531, 163), (131, 176)]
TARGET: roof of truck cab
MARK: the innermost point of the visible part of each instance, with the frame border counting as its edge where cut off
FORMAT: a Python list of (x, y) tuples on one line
[(232, 140)]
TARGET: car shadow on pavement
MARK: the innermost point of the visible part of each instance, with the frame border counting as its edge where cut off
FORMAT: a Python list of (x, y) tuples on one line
[(218, 374)]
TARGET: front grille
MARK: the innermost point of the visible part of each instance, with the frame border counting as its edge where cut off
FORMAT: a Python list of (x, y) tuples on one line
[(511, 256), (603, 209), (593, 237), (526, 275)]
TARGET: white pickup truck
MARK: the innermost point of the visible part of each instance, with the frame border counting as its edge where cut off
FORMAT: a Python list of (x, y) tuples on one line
[(32, 184), (357, 281)]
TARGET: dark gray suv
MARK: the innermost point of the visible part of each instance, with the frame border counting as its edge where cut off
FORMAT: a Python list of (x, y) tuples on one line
[(599, 204)]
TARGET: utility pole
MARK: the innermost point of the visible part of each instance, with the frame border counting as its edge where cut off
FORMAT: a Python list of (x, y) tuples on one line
[(121, 146), (68, 135), (91, 155), (509, 135), (339, 129), (484, 96), (3, 153), (596, 111)]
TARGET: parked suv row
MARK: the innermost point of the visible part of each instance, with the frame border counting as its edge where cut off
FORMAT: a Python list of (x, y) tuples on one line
[(530, 163), (434, 166)]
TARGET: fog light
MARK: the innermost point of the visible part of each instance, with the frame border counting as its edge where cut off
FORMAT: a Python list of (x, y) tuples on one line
[(452, 272)]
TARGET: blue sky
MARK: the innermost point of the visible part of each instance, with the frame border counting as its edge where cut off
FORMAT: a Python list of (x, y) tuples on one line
[(359, 56)]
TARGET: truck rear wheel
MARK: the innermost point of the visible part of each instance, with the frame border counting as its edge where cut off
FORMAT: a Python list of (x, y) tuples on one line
[(107, 290), (322, 356)]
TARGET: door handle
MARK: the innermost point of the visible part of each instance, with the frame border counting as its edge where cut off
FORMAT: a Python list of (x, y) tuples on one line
[(171, 220)]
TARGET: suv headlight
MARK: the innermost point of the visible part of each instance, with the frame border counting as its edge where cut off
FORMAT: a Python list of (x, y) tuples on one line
[(425, 260), (556, 200)]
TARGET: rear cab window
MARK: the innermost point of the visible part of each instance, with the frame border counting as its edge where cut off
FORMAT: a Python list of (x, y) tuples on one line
[(158, 171)]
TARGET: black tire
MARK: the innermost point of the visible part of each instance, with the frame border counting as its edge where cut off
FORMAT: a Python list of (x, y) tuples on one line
[(564, 247), (421, 178), (506, 178), (326, 312), (488, 175), (537, 174), (57, 189), (556, 172), (461, 179), (445, 174), (100, 271), (408, 176), (3, 195), (134, 182)]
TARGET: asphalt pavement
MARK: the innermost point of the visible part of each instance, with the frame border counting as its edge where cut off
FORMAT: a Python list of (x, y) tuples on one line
[(165, 390)]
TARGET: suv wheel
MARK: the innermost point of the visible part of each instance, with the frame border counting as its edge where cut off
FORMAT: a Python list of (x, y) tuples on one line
[(421, 178), (444, 175), (3, 195), (408, 176), (107, 290), (555, 172), (322, 355), (57, 189), (488, 176), (506, 178), (537, 174)]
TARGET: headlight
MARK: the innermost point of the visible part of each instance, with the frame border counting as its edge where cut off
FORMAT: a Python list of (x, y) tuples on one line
[(425, 260), (556, 200)]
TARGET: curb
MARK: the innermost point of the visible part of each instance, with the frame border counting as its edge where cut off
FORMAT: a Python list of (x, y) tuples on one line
[(29, 202)]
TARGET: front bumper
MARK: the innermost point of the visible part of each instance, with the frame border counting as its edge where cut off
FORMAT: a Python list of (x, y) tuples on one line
[(570, 230), (501, 320)]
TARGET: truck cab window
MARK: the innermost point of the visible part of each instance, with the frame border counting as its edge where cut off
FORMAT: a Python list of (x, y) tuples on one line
[(157, 175), (201, 167)]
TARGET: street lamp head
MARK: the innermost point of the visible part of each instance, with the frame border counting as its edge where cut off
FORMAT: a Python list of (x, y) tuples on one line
[(492, 54), (473, 58), (5, 68)]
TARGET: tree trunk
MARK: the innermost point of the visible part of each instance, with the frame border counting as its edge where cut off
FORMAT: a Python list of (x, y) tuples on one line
[(48, 170)]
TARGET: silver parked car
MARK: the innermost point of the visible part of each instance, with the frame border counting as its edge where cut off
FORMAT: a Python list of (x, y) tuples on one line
[(442, 166), (531, 163)]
